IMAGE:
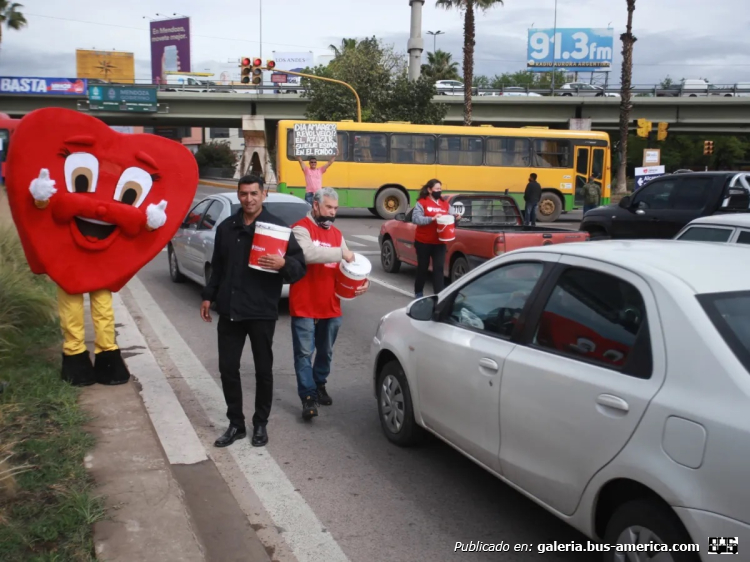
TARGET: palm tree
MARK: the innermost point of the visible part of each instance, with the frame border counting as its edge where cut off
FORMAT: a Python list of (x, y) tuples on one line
[(440, 66), (10, 16), (346, 45), (628, 39), (469, 7)]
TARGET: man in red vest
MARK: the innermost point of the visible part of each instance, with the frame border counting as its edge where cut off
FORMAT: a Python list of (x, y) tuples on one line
[(313, 305)]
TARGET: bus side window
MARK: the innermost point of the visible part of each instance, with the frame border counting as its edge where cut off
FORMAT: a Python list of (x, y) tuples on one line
[(370, 147), (552, 153)]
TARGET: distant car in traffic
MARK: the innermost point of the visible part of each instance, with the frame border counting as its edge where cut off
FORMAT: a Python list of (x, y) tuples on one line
[(192, 247), (607, 382), (730, 228), (511, 91), (449, 88), (662, 207), (584, 89)]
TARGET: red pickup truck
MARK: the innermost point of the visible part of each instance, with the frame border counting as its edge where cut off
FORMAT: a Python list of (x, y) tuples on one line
[(491, 225)]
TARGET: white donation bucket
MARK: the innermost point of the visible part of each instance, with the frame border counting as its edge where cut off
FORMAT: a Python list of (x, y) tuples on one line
[(351, 276), (446, 227), (268, 239)]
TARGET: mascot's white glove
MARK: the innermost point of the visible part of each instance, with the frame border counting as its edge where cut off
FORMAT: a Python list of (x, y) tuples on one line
[(42, 189), (155, 215)]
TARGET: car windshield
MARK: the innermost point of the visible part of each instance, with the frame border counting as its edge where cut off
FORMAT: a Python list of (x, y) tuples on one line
[(289, 212), (730, 314), (706, 234)]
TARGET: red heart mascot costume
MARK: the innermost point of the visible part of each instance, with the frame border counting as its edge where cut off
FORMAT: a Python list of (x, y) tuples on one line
[(93, 206)]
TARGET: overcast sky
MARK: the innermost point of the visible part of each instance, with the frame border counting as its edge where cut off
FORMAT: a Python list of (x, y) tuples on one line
[(682, 38)]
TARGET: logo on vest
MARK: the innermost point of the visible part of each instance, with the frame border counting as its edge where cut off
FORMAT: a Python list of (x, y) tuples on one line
[(318, 243), (258, 248)]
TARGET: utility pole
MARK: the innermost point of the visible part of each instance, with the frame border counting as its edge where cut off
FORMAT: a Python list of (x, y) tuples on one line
[(416, 43), (554, 50)]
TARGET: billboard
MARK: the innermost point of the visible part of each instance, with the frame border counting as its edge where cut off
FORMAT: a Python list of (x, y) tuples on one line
[(110, 66), (573, 49), (296, 62), (43, 86), (170, 47)]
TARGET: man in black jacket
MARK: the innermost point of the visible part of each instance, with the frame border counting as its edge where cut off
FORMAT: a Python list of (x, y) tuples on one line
[(532, 196), (247, 301)]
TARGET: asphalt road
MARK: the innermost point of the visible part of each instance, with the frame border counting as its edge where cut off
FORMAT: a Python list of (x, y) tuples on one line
[(374, 500)]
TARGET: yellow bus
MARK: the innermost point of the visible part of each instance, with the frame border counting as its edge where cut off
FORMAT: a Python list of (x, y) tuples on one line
[(381, 166)]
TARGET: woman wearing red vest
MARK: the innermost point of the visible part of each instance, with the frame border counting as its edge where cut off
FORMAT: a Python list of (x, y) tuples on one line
[(430, 206)]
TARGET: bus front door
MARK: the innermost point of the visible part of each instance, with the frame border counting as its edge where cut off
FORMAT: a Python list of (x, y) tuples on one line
[(589, 162)]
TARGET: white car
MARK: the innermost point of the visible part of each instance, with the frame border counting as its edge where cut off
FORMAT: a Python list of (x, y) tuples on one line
[(609, 382), (192, 246), (584, 89), (449, 88), (733, 228)]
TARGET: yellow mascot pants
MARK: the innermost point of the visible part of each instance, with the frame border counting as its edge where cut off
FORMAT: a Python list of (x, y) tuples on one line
[(71, 310)]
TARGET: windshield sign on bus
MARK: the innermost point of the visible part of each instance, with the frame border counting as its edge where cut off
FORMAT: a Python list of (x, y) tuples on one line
[(570, 49)]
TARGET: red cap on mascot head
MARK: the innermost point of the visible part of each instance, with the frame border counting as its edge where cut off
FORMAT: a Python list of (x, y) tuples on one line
[(93, 234)]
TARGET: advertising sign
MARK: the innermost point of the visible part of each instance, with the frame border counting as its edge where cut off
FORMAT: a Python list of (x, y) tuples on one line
[(170, 47), (315, 139), (139, 99), (571, 49), (646, 174), (110, 66), (295, 62), (45, 86)]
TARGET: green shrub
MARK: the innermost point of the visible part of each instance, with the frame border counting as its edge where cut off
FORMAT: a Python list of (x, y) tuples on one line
[(216, 154)]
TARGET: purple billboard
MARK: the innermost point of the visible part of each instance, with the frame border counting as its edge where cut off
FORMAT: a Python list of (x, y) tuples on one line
[(170, 47)]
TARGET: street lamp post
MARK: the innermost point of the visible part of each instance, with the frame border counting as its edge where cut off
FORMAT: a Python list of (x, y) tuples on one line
[(554, 50), (434, 38)]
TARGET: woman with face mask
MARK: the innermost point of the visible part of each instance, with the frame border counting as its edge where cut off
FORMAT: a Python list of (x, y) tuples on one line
[(430, 206)]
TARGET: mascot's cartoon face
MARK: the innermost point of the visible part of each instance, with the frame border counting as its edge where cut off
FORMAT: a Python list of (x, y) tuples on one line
[(95, 230)]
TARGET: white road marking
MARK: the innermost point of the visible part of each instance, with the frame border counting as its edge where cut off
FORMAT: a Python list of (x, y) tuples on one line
[(354, 244), (369, 252), (303, 530), (368, 237), (392, 287), (176, 433)]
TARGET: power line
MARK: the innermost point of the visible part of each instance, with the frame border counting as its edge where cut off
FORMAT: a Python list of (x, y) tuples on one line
[(144, 29)]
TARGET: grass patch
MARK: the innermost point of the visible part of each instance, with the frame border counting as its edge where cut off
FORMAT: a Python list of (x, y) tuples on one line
[(47, 505)]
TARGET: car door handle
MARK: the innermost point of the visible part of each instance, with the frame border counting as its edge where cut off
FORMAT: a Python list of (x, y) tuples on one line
[(613, 402), (489, 364)]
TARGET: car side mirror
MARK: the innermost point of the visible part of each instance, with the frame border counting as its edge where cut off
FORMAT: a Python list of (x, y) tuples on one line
[(422, 309), (625, 202), (401, 217)]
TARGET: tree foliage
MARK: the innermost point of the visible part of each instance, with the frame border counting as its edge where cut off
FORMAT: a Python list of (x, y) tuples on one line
[(378, 74), (11, 16), (440, 66), (216, 154), (524, 78), (681, 151)]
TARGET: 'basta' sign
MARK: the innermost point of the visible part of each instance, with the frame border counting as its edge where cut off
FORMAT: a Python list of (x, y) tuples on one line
[(43, 86)]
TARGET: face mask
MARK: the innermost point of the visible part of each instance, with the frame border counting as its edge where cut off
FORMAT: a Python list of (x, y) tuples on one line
[(325, 222), (436, 195)]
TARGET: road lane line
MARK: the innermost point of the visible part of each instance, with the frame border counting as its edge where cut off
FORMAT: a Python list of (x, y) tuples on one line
[(368, 237), (176, 433), (392, 287), (304, 533), (355, 244)]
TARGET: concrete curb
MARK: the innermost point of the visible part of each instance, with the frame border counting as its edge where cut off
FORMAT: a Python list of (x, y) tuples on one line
[(223, 185)]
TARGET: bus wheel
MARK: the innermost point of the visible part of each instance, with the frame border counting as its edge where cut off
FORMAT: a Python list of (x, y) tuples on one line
[(550, 208), (390, 202), (374, 211)]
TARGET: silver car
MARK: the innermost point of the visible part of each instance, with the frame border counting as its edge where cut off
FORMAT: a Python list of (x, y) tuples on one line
[(192, 247), (608, 381)]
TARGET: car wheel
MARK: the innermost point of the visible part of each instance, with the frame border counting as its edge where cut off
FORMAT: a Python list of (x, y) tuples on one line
[(388, 258), (390, 202), (395, 407), (459, 268), (644, 521), (550, 208), (174, 267)]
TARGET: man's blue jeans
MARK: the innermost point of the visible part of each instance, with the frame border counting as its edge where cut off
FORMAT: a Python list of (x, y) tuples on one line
[(309, 335), (309, 197), (530, 213)]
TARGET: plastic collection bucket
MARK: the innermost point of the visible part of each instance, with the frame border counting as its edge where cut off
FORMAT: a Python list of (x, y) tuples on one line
[(446, 227), (268, 239), (351, 276)]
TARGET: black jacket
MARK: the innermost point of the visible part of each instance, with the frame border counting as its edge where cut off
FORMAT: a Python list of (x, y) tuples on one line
[(533, 193), (239, 291)]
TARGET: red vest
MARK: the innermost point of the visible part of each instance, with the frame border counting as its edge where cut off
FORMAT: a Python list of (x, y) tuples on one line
[(314, 295), (427, 234)]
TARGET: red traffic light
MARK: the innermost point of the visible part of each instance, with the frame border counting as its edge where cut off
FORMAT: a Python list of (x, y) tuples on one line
[(270, 64), (257, 62), (246, 61)]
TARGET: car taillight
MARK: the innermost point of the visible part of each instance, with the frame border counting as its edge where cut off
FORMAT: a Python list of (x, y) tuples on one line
[(500, 245)]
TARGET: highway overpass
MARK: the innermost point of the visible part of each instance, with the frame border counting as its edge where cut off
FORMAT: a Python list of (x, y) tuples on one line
[(684, 114)]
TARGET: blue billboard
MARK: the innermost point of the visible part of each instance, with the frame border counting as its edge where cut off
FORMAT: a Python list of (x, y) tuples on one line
[(571, 49), (43, 86)]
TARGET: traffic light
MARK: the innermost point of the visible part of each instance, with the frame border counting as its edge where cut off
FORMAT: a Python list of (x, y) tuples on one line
[(270, 65), (708, 147), (257, 72), (661, 133), (644, 127), (245, 65)]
